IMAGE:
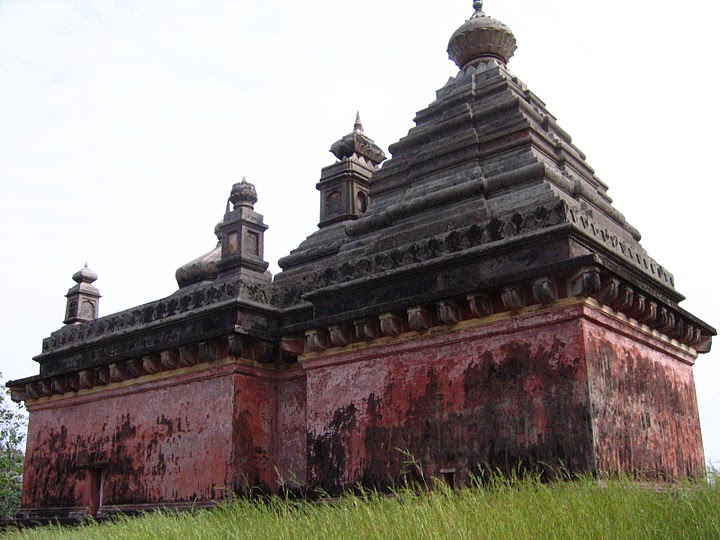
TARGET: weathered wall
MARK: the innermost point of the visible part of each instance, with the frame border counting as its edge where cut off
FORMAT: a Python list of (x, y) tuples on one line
[(573, 385), (167, 439), (645, 416), (253, 431), (292, 430), (511, 391)]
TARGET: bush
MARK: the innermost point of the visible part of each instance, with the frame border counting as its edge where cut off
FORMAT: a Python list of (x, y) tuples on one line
[(12, 435)]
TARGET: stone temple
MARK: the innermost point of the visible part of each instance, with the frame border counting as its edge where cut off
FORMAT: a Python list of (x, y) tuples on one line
[(474, 302)]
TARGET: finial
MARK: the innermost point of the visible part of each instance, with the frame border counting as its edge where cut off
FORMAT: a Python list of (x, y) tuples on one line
[(85, 275), (357, 144), (243, 194), (481, 40), (358, 123)]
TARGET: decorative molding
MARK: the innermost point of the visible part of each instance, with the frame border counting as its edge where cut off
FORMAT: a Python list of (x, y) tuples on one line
[(494, 230), (590, 282), (185, 302)]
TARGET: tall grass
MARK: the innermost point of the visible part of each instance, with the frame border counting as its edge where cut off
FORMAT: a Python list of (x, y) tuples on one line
[(504, 509)]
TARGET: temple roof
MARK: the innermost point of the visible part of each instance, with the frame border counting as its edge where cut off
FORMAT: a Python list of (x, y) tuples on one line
[(486, 199)]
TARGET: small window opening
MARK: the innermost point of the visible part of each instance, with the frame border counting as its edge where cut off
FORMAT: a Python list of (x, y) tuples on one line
[(448, 476), (361, 202), (96, 488)]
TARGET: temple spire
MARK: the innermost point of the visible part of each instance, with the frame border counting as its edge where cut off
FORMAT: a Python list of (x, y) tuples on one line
[(478, 5), (358, 123)]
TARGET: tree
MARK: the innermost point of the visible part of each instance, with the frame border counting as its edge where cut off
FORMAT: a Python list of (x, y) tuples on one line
[(12, 435)]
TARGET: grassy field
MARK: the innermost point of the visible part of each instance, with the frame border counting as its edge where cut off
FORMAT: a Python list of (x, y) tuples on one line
[(509, 510)]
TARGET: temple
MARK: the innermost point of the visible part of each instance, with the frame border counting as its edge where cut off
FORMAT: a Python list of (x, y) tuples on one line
[(474, 302)]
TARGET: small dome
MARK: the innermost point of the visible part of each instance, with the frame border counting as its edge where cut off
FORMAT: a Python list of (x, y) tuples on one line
[(356, 143), (480, 39), (84, 275), (243, 194)]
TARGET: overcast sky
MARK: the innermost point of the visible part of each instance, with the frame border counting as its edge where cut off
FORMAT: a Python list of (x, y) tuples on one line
[(123, 125)]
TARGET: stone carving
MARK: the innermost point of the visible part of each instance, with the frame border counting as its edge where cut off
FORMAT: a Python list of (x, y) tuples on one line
[(609, 292), (292, 345), (451, 242), (188, 355), (169, 359), (544, 290), (586, 282), (480, 40), (87, 378), (420, 318), (357, 144), (480, 305), (315, 340), (448, 312), (151, 364), (457, 240), (207, 351), (243, 193), (641, 260), (390, 324), (624, 300), (117, 373), (365, 329), (512, 298), (340, 335)]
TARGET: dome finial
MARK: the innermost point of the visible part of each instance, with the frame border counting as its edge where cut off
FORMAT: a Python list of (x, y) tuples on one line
[(243, 194), (357, 144), (481, 39)]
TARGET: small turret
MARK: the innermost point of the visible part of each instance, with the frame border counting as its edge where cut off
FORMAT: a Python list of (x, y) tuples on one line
[(83, 298), (344, 186), (241, 234)]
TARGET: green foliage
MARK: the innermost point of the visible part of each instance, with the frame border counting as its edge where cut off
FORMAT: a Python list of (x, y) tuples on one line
[(12, 435), (499, 509)]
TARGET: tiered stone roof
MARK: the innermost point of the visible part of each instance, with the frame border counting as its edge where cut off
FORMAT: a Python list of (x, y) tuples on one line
[(486, 206)]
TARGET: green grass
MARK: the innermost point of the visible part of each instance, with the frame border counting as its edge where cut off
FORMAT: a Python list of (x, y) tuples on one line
[(517, 509)]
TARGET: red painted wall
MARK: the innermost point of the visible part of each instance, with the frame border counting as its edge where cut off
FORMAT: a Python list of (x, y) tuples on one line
[(292, 430), (575, 386), (645, 415), (493, 395), (168, 440)]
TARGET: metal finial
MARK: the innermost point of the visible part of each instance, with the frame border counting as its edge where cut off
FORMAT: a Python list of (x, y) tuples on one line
[(478, 5), (358, 123)]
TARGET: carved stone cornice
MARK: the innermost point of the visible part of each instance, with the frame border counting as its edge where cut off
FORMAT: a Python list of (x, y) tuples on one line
[(481, 234), (161, 311), (589, 281), (238, 345)]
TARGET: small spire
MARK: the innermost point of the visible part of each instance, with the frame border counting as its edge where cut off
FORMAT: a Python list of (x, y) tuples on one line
[(478, 5), (82, 299), (358, 123)]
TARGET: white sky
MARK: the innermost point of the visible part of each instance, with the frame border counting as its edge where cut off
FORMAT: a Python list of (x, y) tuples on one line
[(123, 125)]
